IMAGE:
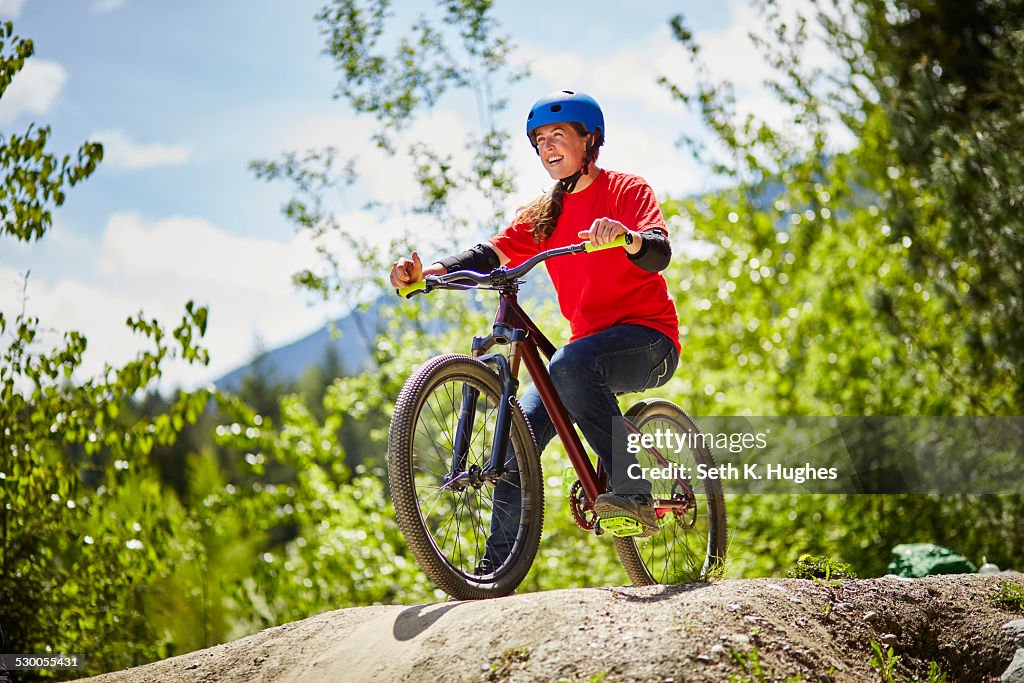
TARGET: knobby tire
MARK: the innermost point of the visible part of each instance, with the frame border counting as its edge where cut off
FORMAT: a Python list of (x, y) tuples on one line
[(448, 547)]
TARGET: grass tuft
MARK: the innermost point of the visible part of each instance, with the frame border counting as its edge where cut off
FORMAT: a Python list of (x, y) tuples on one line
[(1010, 595), (820, 567)]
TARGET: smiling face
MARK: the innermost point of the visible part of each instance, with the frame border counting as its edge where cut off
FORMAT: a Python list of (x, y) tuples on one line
[(561, 148)]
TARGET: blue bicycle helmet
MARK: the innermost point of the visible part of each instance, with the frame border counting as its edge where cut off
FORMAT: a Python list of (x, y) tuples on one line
[(565, 106)]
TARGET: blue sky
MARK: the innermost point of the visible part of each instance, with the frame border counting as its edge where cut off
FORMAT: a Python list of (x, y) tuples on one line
[(185, 94)]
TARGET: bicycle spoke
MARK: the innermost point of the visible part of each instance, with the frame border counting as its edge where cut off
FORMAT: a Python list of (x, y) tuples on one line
[(439, 421), (457, 518)]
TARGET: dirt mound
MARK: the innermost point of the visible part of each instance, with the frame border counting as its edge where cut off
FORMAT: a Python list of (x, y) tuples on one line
[(699, 632)]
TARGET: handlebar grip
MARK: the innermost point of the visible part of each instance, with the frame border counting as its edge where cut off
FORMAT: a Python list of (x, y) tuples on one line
[(415, 287), (620, 241)]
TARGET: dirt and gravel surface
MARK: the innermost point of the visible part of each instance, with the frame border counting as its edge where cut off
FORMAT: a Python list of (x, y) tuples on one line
[(698, 632)]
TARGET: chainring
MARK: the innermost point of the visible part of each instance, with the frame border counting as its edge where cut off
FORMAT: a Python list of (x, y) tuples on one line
[(577, 503)]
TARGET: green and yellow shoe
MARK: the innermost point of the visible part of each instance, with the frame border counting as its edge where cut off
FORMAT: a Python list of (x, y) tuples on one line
[(627, 514)]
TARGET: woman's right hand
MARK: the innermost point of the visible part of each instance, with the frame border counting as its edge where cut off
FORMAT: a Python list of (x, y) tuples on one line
[(406, 271)]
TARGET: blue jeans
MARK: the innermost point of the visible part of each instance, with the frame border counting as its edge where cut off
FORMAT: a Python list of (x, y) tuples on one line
[(587, 373)]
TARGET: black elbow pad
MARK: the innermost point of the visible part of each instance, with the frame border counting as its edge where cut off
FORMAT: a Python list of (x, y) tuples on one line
[(655, 251), (480, 259)]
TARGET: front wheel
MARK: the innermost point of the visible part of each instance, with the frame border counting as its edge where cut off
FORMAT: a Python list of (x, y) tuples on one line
[(691, 544), (450, 527)]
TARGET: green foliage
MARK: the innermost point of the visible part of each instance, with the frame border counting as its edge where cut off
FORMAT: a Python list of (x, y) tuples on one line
[(336, 540), (66, 547), (820, 567), (394, 77), (859, 281), (865, 294), (33, 180), (752, 669), (865, 528), (1010, 595), (942, 136), (935, 673), (885, 661), (84, 524), (501, 667)]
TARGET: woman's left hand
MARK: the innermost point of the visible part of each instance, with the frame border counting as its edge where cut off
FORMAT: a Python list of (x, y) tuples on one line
[(604, 230)]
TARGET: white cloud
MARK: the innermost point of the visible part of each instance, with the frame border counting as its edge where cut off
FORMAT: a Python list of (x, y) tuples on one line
[(382, 177), (624, 80), (667, 169), (156, 266), (245, 281), (120, 151), (11, 8), (626, 76), (630, 73), (33, 91), (194, 259), (107, 5), (59, 252)]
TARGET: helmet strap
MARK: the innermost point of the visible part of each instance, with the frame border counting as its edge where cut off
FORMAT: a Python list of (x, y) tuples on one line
[(569, 182)]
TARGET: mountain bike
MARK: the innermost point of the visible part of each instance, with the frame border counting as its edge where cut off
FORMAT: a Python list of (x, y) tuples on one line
[(457, 430)]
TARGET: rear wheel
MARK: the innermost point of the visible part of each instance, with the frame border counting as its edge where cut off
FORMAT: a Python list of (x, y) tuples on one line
[(691, 544), (446, 526)]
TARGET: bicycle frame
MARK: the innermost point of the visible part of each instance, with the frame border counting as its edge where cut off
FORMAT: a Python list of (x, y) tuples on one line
[(513, 327)]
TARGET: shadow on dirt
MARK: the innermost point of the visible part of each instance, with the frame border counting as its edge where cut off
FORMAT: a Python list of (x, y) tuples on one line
[(415, 620), (652, 594)]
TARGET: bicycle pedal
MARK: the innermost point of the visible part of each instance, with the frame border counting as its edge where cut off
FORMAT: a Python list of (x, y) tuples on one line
[(622, 526)]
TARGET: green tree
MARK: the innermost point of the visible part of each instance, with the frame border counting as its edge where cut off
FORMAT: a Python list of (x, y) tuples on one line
[(879, 279), (941, 130), (344, 547), (454, 52), (34, 180), (77, 562), (916, 227)]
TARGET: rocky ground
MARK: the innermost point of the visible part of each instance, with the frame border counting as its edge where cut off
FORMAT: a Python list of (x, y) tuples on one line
[(760, 630)]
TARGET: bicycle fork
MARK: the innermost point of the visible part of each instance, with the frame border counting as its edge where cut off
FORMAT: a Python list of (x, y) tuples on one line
[(458, 476)]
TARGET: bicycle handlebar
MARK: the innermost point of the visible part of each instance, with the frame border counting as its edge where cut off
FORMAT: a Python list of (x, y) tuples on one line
[(450, 280), (620, 241)]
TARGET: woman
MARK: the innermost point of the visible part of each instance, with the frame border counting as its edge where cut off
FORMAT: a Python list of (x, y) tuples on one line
[(625, 331)]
